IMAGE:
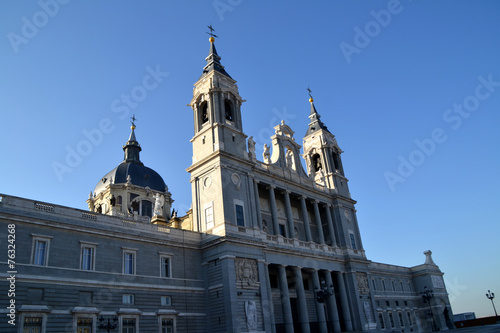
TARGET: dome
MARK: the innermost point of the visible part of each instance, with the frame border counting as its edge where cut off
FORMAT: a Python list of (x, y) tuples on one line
[(140, 175), (132, 168)]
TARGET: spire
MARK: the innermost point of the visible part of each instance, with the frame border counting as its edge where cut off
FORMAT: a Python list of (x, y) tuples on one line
[(132, 147), (315, 124), (213, 59)]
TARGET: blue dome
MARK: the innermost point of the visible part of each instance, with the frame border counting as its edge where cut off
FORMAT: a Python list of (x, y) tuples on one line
[(140, 175), (132, 166)]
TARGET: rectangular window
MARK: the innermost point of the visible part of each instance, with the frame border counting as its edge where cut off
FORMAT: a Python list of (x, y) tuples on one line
[(128, 325), (166, 300), (128, 262), (383, 285), (397, 303), (381, 320), (240, 217), (374, 284), (353, 241), (401, 285), (408, 314), (40, 251), (282, 230), (87, 257), (401, 319), (393, 286), (84, 325), (128, 298), (209, 217), (32, 325), (165, 266), (167, 325), (391, 319)]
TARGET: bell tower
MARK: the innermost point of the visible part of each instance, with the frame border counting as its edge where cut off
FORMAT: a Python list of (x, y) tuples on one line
[(322, 155), (216, 107), (221, 163)]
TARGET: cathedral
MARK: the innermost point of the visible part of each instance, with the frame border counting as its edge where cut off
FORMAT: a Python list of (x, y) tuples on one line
[(268, 245)]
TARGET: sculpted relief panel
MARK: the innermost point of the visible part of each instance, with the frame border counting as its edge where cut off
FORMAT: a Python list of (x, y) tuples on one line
[(246, 273)]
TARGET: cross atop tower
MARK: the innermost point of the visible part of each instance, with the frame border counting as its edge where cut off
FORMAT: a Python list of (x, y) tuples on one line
[(133, 120), (211, 33), (309, 90)]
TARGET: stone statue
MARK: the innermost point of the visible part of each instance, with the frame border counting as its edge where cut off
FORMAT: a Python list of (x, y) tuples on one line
[(289, 159), (158, 210), (251, 314), (129, 179), (266, 154), (251, 149), (368, 312), (112, 201)]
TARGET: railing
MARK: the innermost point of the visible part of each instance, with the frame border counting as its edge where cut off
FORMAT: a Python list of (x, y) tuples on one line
[(44, 207), (89, 216)]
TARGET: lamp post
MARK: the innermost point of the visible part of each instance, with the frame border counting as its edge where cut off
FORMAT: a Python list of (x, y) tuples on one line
[(107, 326), (322, 294), (427, 295), (490, 296)]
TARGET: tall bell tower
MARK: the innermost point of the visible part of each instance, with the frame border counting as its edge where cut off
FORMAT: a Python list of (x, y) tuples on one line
[(221, 164), (216, 107), (324, 164), (322, 155)]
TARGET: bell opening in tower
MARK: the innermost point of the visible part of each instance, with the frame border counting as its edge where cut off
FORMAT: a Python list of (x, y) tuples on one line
[(228, 109)]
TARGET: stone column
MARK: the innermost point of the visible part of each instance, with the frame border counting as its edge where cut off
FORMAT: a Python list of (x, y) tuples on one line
[(301, 300), (319, 224), (267, 299), (344, 302), (289, 215), (285, 300), (274, 210), (320, 308), (305, 217), (329, 220), (333, 313), (257, 203)]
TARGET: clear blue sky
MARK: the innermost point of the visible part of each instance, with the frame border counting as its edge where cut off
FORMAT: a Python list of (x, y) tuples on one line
[(387, 79)]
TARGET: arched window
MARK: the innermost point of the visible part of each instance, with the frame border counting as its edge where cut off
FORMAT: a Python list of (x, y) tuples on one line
[(228, 109), (316, 162), (204, 112), (336, 161), (119, 200)]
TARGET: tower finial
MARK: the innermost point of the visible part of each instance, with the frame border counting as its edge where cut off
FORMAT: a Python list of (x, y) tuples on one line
[(133, 121), (211, 33), (310, 96)]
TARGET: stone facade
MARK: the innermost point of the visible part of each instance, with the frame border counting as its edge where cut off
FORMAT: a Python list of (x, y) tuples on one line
[(266, 247)]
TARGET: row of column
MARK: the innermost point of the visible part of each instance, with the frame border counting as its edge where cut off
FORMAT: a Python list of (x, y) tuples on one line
[(289, 215), (321, 312)]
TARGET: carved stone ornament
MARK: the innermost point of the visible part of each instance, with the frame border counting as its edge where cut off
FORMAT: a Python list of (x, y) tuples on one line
[(236, 179), (246, 273), (437, 281), (362, 283)]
